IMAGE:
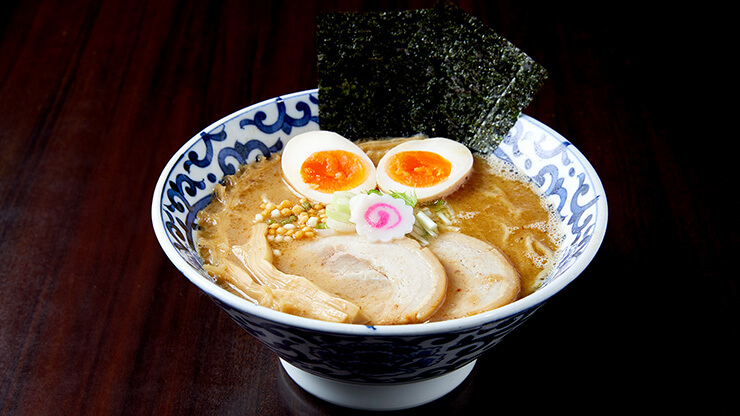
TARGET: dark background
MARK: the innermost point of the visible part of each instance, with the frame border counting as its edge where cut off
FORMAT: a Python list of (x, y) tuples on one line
[(95, 96)]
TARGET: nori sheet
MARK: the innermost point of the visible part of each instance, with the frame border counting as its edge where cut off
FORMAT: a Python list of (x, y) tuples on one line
[(435, 72)]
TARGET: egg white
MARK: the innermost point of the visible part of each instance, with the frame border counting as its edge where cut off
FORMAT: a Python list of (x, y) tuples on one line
[(457, 153), (300, 147)]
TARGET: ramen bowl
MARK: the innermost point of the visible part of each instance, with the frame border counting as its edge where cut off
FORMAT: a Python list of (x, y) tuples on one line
[(362, 366)]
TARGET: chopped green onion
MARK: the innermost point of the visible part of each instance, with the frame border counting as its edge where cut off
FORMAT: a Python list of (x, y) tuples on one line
[(341, 195), (333, 213), (342, 204), (339, 225), (341, 208), (424, 242), (426, 222), (444, 218)]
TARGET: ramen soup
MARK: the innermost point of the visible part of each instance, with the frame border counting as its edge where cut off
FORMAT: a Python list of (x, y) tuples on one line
[(381, 232)]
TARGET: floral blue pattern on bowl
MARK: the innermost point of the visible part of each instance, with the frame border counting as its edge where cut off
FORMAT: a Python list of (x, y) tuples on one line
[(358, 353)]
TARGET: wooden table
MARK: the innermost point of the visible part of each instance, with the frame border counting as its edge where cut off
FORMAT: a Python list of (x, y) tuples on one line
[(95, 96)]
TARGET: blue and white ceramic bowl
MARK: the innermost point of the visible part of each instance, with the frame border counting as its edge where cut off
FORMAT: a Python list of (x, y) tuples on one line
[(371, 367)]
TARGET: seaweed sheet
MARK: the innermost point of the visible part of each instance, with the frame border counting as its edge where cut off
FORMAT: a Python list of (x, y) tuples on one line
[(435, 72)]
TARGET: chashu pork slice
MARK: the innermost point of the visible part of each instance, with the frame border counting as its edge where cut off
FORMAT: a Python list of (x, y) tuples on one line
[(397, 282), (480, 276)]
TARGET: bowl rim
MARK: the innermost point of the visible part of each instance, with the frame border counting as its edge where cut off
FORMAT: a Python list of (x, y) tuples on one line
[(531, 301)]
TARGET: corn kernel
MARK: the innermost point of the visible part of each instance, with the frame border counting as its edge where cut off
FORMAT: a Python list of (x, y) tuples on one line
[(285, 204), (297, 209), (281, 230), (309, 234), (286, 211), (298, 234)]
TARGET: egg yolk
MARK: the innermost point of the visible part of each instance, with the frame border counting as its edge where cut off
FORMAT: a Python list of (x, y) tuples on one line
[(418, 168), (333, 170)]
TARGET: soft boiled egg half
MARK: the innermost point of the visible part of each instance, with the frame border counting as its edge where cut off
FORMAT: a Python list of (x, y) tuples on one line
[(318, 163), (431, 168)]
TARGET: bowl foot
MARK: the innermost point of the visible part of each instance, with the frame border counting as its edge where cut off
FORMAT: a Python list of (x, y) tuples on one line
[(378, 396)]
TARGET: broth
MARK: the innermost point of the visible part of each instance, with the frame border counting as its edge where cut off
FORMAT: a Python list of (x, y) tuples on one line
[(496, 205)]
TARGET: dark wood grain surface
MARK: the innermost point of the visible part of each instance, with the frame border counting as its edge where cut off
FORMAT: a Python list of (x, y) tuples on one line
[(95, 96)]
